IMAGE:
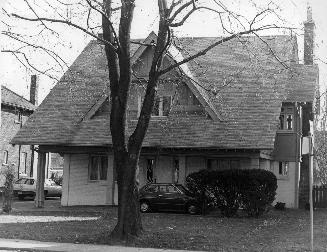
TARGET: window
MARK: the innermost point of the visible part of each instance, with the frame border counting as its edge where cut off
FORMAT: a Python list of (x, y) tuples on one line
[(223, 164), (152, 189), (98, 168), (171, 189), (162, 105), (19, 118), (5, 157), (23, 158), (283, 168), (149, 171), (286, 118), (176, 170)]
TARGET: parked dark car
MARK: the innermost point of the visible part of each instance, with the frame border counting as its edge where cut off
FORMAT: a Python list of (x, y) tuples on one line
[(167, 197)]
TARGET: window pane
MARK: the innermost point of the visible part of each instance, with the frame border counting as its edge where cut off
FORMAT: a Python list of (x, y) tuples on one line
[(224, 164), (5, 157), (281, 122), (155, 110), (280, 170), (289, 122), (176, 171), (103, 168), (166, 105), (162, 188), (149, 171), (234, 164), (171, 189), (94, 168)]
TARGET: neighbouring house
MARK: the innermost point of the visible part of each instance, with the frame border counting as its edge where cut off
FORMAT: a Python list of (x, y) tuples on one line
[(245, 104), (15, 110)]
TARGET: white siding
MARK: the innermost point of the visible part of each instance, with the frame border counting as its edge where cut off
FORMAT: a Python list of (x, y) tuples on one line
[(78, 190), (286, 191)]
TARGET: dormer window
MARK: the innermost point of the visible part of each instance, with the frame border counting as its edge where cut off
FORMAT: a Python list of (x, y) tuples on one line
[(162, 106), (286, 118)]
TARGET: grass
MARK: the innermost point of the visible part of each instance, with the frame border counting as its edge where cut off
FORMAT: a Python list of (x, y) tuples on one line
[(275, 231)]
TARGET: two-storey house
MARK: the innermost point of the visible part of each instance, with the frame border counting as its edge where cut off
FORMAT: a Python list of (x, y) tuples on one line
[(244, 105)]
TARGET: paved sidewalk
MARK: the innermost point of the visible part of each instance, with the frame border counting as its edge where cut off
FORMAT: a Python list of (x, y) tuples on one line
[(28, 245)]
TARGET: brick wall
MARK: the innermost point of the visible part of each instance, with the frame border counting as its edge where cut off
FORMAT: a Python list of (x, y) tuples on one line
[(9, 127)]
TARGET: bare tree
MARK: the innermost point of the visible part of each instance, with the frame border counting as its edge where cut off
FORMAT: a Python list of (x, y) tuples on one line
[(117, 43)]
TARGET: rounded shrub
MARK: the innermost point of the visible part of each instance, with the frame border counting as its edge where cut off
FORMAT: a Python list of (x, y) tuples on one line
[(259, 191), (254, 190)]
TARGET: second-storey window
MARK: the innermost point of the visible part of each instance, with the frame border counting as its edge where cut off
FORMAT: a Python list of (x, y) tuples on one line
[(286, 118), (5, 157), (98, 167), (162, 105)]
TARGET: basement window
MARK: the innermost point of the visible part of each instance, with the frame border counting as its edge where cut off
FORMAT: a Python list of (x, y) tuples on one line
[(98, 167)]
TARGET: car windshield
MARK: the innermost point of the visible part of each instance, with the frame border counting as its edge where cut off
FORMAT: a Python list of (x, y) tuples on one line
[(50, 182), (21, 181), (183, 189)]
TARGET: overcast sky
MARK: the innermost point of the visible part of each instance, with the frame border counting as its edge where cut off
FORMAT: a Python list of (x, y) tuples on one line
[(16, 77)]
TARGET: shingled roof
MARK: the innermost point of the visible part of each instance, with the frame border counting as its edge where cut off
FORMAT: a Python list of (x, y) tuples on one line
[(243, 79), (10, 98)]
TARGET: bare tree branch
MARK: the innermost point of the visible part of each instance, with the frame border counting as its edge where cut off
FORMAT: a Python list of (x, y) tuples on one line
[(69, 23), (180, 23), (15, 53), (51, 53), (108, 20)]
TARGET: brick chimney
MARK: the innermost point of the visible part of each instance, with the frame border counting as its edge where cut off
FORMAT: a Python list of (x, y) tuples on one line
[(309, 27), (34, 89)]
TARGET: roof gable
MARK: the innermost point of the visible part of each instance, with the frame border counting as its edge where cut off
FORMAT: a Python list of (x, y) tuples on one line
[(10, 98), (174, 56)]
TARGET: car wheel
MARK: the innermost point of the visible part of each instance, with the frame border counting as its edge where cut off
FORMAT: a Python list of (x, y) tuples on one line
[(144, 207), (21, 197), (192, 209)]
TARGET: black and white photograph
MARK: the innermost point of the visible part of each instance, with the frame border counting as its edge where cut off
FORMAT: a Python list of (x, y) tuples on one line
[(163, 125)]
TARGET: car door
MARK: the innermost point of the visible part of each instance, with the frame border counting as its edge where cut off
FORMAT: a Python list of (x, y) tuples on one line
[(52, 188), (172, 199), (150, 194)]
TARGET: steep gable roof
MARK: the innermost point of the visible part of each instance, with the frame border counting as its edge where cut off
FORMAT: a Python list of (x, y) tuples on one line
[(242, 80), (10, 98)]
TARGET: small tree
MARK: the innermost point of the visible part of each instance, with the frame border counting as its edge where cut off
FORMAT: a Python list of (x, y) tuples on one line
[(9, 174)]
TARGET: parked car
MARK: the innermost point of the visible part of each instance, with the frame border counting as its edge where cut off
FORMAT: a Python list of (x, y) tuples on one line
[(25, 187), (167, 197)]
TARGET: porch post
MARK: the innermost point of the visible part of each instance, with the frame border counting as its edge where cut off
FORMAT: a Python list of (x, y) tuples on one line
[(39, 197)]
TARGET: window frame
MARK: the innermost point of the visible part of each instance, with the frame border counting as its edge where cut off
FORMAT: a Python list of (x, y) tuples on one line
[(217, 163), (161, 111), (5, 157), (23, 157), (284, 113), (98, 169), (283, 168)]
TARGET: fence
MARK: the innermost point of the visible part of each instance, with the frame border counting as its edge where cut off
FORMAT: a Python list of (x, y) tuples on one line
[(319, 195)]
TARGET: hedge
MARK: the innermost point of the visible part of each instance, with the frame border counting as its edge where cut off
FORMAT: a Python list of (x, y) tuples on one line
[(254, 190)]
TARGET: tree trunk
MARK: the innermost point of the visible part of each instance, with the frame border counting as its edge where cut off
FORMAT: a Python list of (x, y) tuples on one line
[(129, 219)]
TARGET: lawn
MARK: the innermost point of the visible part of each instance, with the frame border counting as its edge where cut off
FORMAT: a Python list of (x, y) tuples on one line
[(275, 231)]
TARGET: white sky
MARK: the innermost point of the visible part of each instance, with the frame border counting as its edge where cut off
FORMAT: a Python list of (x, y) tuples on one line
[(16, 77)]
